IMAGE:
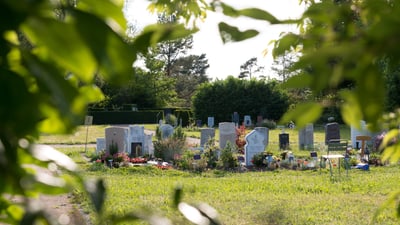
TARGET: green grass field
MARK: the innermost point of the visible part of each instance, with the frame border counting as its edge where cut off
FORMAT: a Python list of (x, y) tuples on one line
[(268, 197)]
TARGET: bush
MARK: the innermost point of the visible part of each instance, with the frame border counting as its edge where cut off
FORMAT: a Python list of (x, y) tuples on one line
[(270, 124), (228, 159), (166, 149), (211, 153), (258, 160)]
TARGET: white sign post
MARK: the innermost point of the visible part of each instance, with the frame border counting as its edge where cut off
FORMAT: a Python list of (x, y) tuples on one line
[(88, 122)]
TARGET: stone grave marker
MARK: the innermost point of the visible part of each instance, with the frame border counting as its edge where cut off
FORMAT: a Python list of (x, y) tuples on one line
[(119, 136), (259, 120), (265, 132), (254, 145), (100, 144), (166, 131), (332, 131), (235, 118), (148, 144), (205, 135), (247, 120), (136, 139), (306, 137), (283, 141), (210, 122), (227, 132), (354, 132)]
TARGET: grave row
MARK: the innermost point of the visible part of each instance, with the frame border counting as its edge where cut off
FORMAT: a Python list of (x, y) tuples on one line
[(134, 141)]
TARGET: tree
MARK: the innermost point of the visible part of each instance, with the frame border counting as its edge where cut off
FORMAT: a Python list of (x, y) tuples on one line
[(170, 51), (189, 72), (247, 97), (282, 65), (249, 68)]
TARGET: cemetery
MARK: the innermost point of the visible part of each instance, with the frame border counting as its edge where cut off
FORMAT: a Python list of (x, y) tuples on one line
[(250, 178), (247, 147)]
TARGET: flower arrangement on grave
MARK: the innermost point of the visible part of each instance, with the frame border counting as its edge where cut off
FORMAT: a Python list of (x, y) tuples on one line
[(138, 160), (240, 138)]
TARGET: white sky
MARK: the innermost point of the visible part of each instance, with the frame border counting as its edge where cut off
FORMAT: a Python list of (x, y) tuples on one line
[(226, 59)]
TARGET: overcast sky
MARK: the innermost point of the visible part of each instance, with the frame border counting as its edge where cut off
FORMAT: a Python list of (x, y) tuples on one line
[(225, 59)]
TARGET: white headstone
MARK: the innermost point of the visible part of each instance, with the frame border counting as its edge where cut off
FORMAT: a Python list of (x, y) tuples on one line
[(227, 132), (306, 137), (205, 135), (210, 122), (119, 136), (265, 132), (354, 132), (100, 144), (254, 145), (247, 120)]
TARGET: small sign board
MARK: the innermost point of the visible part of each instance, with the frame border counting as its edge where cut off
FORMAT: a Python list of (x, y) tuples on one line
[(88, 120)]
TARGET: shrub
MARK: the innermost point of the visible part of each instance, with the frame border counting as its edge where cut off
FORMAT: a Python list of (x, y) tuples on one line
[(171, 120), (258, 160), (211, 153), (270, 124), (166, 149), (228, 159)]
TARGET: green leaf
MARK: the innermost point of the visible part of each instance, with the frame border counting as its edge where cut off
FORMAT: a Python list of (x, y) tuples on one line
[(298, 81), (97, 193), (109, 11), (350, 109), (285, 43), (258, 14), (63, 43), (233, 34), (113, 55), (156, 33), (303, 114)]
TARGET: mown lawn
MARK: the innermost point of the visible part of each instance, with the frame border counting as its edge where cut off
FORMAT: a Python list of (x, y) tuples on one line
[(267, 197)]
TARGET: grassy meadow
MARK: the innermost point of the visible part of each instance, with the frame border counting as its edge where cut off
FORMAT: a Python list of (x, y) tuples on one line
[(257, 197)]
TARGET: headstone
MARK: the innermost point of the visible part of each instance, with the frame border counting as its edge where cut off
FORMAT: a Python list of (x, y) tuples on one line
[(284, 141), (235, 118), (259, 120), (100, 144), (227, 132), (354, 132), (265, 132), (136, 133), (148, 144), (306, 137), (247, 120), (198, 123), (254, 145), (118, 136), (166, 131), (332, 132), (210, 122), (205, 135)]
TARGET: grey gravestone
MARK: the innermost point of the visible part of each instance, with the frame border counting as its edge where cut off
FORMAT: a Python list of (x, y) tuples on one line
[(100, 144), (227, 132), (166, 131), (283, 141), (306, 137), (354, 132), (119, 136), (265, 132), (259, 120), (205, 135), (247, 120), (136, 135), (235, 118), (148, 144), (254, 145), (332, 132), (210, 121)]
